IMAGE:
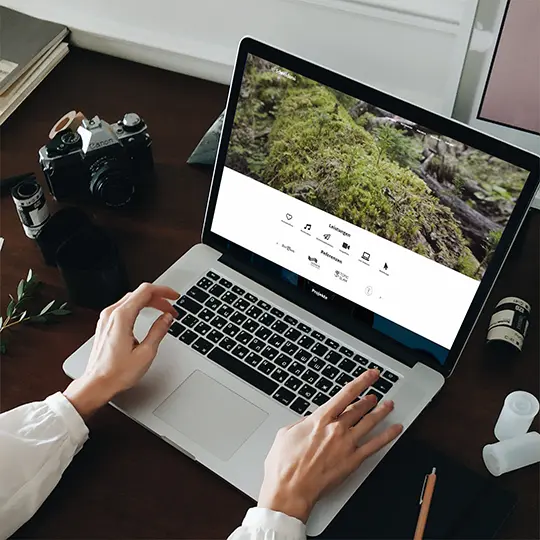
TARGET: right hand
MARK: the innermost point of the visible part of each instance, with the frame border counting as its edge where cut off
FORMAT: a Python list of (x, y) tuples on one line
[(319, 451)]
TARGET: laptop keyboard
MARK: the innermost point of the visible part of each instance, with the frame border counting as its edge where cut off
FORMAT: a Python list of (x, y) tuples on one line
[(297, 365)]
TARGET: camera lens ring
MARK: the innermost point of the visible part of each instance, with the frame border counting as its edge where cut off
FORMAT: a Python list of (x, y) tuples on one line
[(110, 181)]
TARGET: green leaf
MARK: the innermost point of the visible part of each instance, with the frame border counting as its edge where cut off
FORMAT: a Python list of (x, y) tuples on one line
[(47, 307), (59, 312), (3, 348), (29, 276), (10, 308), (1, 322), (38, 319), (20, 289), (63, 305), (22, 316)]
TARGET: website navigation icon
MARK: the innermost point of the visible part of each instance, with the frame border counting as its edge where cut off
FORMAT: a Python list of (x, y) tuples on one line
[(288, 216), (345, 245), (366, 256), (327, 236), (307, 227)]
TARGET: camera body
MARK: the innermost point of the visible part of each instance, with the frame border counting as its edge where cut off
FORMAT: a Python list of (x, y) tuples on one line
[(108, 161)]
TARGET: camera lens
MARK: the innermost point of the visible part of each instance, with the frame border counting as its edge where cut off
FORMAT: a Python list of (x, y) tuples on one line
[(110, 181)]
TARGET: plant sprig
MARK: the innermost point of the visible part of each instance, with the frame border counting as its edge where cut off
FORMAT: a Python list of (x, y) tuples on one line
[(17, 314)]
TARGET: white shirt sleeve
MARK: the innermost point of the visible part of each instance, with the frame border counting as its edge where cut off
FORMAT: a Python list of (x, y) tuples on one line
[(37, 442), (263, 524)]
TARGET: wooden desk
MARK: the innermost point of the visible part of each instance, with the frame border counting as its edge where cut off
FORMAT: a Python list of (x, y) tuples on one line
[(127, 482)]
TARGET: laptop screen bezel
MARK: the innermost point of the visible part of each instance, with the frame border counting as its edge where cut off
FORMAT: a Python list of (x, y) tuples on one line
[(431, 120)]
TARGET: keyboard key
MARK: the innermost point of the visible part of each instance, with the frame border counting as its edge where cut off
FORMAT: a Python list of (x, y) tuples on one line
[(319, 349), (330, 372), (218, 322), (269, 352), (373, 365), (176, 329), (334, 391), (225, 310), (212, 275), (290, 320), (264, 305), (212, 303), (317, 364), (267, 319), (303, 356), (206, 315), (276, 341), (382, 385), (240, 351), (214, 336), (254, 312), (231, 329), (277, 312), (237, 318), (323, 384), (320, 399), (242, 370), (282, 360), (250, 325), (188, 337), (299, 405), (190, 321), (263, 332), (292, 334), (217, 290), (229, 297), (189, 305), (241, 304), (296, 369), (372, 392), (361, 360), (198, 294), (252, 359), (251, 298), (279, 326), (391, 376), (343, 379), (204, 283), (333, 357), (293, 383), (180, 312), (346, 352), (304, 328), (306, 342), (331, 343), (310, 376), (244, 337), (307, 391), (203, 328), (289, 348), (347, 365), (358, 371), (318, 335), (201, 345), (225, 282), (279, 375), (266, 367), (227, 343), (284, 396), (238, 290), (257, 345)]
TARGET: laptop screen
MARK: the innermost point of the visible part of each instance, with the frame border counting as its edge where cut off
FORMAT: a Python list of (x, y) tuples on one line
[(362, 203)]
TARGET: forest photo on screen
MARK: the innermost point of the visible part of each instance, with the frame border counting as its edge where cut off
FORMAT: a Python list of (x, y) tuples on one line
[(428, 193)]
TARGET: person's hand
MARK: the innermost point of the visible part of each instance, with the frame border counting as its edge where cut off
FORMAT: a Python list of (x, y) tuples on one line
[(319, 451), (118, 361)]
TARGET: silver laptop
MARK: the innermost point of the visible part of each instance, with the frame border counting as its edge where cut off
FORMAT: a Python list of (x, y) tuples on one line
[(345, 229)]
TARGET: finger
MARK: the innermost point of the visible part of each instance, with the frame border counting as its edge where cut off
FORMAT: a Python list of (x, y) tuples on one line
[(353, 413), (334, 407), (157, 332), (375, 444), (162, 305), (106, 313), (372, 419)]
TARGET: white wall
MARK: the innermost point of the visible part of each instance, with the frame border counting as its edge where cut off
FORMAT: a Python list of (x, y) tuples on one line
[(412, 48)]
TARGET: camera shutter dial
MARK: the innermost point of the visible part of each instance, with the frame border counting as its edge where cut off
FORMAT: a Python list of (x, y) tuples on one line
[(131, 122)]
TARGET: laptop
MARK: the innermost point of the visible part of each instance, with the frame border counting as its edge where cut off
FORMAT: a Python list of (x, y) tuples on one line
[(345, 229)]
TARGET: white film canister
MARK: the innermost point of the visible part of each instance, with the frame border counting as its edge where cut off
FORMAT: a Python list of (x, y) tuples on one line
[(512, 454), (516, 416)]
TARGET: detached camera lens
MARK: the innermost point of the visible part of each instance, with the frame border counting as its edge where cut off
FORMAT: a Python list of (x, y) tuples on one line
[(110, 181)]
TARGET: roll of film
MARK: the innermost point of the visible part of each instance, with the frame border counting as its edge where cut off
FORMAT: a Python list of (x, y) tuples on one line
[(509, 322), (31, 206)]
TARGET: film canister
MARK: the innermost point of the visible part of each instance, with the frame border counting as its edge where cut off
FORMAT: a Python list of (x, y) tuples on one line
[(509, 322), (31, 206)]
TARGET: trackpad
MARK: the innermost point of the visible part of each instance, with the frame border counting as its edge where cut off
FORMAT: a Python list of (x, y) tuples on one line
[(211, 415)]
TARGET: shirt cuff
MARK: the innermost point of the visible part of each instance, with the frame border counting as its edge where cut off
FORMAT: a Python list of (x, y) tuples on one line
[(62, 407), (282, 524)]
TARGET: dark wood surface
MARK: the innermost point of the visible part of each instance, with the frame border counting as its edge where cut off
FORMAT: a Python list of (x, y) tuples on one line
[(126, 482)]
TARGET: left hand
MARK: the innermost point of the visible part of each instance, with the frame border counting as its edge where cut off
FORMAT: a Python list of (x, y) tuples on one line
[(118, 361)]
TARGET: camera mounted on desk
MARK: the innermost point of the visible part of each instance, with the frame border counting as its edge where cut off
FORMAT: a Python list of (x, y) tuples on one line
[(92, 157)]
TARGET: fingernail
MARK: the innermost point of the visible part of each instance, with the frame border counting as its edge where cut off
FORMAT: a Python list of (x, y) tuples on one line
[(168, 318), (389, 404)]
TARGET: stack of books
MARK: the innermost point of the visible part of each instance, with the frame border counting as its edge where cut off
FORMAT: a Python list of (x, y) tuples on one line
[(29, 49)]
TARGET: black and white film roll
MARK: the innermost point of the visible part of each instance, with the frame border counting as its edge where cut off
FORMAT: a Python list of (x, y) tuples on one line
[(31, 205), (510, 322)]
